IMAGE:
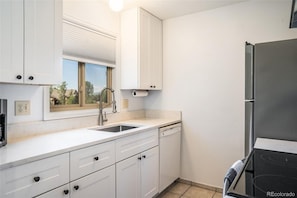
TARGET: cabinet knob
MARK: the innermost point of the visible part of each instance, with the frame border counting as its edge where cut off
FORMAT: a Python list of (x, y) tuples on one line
[(96, 158), (153, 86), (143, 156), (31, 78), (19, 77), (76, 187), (139, 158), (36, 179), (66, 192)]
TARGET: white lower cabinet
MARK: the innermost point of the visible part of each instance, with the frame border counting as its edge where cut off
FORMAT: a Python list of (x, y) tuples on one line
[(32, 179), (61, 192), (95, 185), (125, 168), (138, 175)]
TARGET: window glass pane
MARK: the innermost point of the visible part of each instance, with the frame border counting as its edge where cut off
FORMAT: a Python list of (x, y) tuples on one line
[(96, 80), (66, 93)]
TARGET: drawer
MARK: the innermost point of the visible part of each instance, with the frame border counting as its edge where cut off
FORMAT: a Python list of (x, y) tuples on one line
[(87, 160), (131, 145), (61, 192), (34, 178), (100, 184)]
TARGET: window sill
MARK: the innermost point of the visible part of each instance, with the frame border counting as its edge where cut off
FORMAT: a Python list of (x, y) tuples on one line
[(47, 115)]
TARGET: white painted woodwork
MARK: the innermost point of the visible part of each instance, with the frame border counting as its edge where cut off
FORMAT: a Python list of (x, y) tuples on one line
[(61, 192), (141, 50), (98, 184), (150, 172), (87, 160), (18, 182), (31, 41), (134, 144), (138, 176), (11, 40)]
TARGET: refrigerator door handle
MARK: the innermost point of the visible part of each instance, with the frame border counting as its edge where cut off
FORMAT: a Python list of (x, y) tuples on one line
[(249, 127), (249, 71)]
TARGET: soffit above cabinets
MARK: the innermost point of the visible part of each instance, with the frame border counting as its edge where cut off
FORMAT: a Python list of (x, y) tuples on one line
[(165, 9)]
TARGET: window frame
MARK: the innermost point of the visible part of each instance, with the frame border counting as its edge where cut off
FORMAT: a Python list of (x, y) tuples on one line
[(81, 89)]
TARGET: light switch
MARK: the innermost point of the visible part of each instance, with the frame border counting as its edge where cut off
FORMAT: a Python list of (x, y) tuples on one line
[(22, 107)]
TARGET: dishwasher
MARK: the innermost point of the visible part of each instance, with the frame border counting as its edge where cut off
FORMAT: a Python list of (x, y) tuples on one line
[(170, 148)]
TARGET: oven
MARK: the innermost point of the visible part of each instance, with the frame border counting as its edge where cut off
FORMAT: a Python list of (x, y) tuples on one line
[(269, 171)]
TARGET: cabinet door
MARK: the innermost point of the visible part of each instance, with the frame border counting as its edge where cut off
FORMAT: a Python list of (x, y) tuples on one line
[(150, 172), (61, 192), (11, 41), (34, 178), (128, 177), (95, 185), (91, 159), (150, 51), (134, 144), (43, 41), (156, 51)]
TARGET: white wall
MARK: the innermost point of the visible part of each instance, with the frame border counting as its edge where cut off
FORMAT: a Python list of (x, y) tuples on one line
[(204, 78)]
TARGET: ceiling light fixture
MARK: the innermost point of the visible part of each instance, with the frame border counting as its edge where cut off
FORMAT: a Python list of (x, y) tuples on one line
[(116, 5)]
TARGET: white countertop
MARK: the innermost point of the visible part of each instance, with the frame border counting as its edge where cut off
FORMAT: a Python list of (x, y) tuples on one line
[(43, 146)]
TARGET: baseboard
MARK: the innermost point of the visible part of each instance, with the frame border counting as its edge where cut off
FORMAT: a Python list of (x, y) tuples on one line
[(200, 185)]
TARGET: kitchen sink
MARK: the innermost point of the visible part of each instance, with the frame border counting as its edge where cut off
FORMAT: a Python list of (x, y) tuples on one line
[(115, 129)]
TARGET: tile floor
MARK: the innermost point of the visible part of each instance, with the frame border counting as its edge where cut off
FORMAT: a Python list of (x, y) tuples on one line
[(181, 190)]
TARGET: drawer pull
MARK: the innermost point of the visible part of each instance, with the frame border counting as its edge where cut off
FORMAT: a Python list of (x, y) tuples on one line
[(66, 192), (96, 158), (36, 179), (76, 187)]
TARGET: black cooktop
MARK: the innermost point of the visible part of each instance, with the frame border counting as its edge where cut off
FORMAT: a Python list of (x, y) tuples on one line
[(267, 174)]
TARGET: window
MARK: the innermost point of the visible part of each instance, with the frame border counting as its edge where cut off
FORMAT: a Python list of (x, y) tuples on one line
[(81, 86)]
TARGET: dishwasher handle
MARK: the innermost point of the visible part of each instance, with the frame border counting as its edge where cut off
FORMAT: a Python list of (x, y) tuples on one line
[(170, 130)]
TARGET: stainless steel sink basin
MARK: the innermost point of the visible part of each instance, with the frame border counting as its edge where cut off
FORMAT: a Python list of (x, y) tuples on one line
[(115, 129)]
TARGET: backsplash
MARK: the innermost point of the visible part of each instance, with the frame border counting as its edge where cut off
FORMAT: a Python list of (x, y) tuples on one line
[(20, 131)]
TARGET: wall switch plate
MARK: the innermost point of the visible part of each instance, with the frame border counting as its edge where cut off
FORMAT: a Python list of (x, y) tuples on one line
[(22, 107)]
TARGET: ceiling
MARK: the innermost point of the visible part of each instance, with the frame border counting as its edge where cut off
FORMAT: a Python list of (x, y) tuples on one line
[(165, 9)]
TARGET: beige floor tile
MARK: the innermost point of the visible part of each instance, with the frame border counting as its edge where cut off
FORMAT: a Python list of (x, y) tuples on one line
[(196, 192), (179, 188), (170, 195), (218, 195)]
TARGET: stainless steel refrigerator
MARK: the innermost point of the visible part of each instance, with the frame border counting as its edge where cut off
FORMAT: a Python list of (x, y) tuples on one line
[(271, 91)]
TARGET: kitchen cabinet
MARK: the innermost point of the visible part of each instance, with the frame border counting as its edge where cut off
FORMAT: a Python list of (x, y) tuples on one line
[(87, 160), (98, 184), (137, 167), (61, 192), (31, 179), (31, 41), (134, 144), (138, 175), (141, 50)]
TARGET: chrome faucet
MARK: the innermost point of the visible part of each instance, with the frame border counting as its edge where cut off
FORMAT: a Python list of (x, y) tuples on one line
[(102, 119)]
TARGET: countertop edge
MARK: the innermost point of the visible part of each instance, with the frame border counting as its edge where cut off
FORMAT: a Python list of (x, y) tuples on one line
[(148, 124)]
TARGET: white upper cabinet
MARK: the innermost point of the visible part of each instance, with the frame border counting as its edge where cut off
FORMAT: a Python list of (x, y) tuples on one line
[(141, 50), (31, 41)]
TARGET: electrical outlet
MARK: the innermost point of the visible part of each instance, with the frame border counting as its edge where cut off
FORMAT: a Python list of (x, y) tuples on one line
[(125, 103), (22, 107)]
